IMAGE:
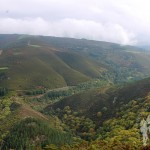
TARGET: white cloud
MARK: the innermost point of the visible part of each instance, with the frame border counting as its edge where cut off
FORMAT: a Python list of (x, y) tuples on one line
[(121, 21), (68, 28)]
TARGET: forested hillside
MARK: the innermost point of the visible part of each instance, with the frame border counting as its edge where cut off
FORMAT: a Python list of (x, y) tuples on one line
[(111, 117), (72, 94), (28, 62)]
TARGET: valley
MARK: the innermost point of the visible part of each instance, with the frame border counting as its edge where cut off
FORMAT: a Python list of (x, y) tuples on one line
[(72, 94)]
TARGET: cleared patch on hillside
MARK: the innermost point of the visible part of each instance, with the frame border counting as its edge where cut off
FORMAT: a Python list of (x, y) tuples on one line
[(4, 68), (1, 52), (26, 111)]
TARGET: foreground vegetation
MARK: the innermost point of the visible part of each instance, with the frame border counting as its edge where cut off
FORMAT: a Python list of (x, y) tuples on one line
[(33, 134), (73, 127)]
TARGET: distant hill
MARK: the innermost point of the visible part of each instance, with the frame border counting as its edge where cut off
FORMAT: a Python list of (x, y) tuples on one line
[(28, 62), (145, 47)]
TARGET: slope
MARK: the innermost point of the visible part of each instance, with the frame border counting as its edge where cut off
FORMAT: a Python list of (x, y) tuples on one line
[(31, 67), (23, 127), (28, 62), (106, 100)]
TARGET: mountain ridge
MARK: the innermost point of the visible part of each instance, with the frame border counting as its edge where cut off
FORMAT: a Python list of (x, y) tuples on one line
[(51, 62)]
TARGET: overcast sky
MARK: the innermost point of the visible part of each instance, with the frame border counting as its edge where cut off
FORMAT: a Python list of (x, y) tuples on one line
[(119, 21)]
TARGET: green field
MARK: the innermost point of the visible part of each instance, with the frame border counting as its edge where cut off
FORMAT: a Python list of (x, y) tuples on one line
[(37, 46), (4, 68)]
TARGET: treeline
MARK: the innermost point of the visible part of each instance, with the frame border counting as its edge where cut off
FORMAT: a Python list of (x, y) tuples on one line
[(121, 75), (119, 132), (58, 94), (6, 117), (3, 91), (54, 94), (79, 126), (31, 134), (35, 92), (125, 127), (5, 104), (3, 76)]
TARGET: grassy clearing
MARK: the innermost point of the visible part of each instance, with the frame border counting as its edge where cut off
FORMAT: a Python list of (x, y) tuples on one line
[(138, 52), (17, 53), (1, 52), (4, 68), (34, 45)]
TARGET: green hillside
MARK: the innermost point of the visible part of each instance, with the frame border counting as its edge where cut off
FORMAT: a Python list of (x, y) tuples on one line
[(28, 62), (31, 133), (64, 93), (102, 119), (31, 67), (106, 100), (108, 116), (21, 127)]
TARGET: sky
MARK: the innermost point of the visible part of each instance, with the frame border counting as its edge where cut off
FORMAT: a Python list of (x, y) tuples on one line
[(119, 21)]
